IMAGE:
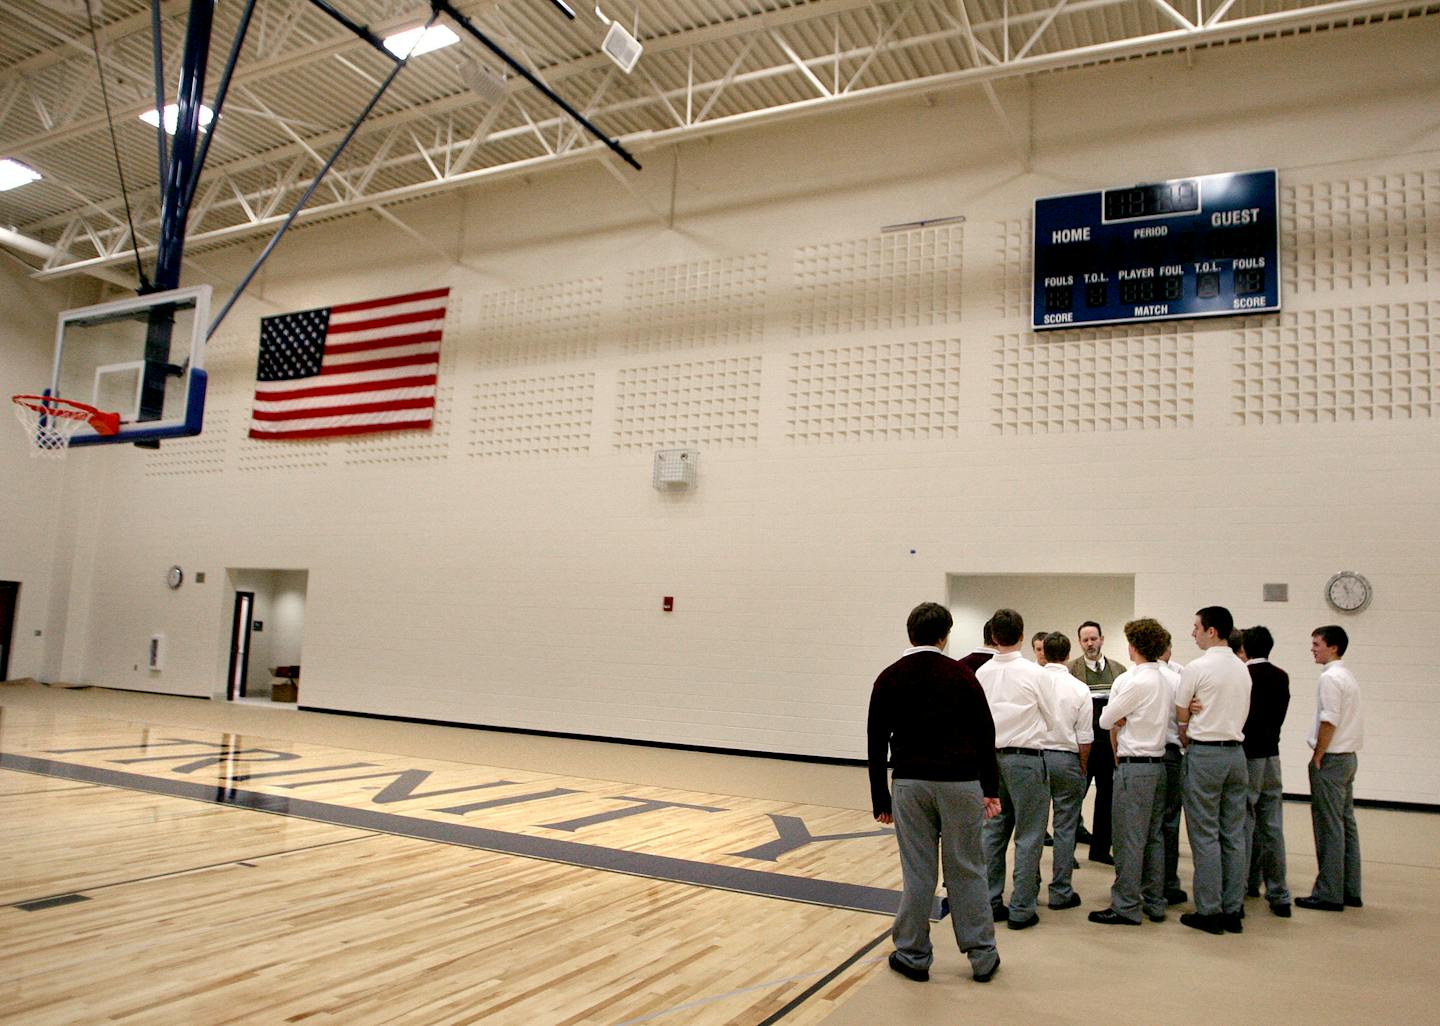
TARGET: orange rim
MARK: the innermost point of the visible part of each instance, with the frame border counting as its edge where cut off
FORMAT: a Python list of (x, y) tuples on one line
[(103, 421)]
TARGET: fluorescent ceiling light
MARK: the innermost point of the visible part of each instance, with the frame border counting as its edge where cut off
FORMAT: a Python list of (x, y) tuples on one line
[(14, 174), (172, 113), (414, 42)]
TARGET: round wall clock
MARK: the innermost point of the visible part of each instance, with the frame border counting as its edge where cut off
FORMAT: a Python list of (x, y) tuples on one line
[(1348, 591), (175, 577)]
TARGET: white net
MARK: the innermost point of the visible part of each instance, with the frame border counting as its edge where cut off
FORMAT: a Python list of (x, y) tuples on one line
[(48, 426)]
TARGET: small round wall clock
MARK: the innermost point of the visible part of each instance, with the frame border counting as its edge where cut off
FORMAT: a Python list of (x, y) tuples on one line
[(1348, 591), (175, 577)]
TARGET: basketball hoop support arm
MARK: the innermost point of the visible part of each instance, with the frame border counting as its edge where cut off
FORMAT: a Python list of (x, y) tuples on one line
[(399, 62), (179, 182)]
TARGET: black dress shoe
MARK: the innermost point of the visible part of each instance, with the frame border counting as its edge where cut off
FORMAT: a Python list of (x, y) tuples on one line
[(1083, 836), (908, 971), (1155, 917), (1316, 905), (1175, 896), (1049, 841), (1281, 909), (1023, 924), (944, 907), (1109, 917), (1000, 914), (987, 977), (1108, 860), (1210, 924), (1354, 903), (1232, 922), (1252, 892), (1074, 902)]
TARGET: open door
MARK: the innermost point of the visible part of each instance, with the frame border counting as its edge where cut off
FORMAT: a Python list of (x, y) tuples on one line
[(240, 644), (9, 593)]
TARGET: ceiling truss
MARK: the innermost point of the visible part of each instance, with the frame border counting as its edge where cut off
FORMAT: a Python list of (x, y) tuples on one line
[(300, 81)]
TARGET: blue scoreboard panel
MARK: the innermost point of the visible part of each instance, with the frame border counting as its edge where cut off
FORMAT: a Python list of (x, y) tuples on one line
[(1189, 247)]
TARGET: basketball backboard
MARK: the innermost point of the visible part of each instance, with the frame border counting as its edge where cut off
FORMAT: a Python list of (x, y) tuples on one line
[(142, 358)]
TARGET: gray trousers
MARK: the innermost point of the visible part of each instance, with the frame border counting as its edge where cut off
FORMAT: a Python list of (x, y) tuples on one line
[(946, 814), (1265, 829), (1024, 808), (1137, 809), (1170, 825), (1216, 782), (1067, 791), (1337, 839)]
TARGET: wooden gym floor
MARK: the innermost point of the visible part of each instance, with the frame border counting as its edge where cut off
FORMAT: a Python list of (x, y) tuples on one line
[(173, 861)]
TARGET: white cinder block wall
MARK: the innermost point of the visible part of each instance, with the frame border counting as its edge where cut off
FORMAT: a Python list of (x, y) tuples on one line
[(871, 411)]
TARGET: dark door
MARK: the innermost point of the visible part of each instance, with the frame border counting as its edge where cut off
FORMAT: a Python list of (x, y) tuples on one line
[(9, 592), (240, 644)]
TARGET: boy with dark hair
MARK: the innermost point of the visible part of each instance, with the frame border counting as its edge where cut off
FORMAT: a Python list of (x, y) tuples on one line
[(1264, 803), (1216, 775), (1336, 737), (1139, 708), (1066, 750), (929, 713), (1024, 713)]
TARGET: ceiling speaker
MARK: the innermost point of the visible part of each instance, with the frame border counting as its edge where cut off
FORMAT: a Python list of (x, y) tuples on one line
[(621, 47)]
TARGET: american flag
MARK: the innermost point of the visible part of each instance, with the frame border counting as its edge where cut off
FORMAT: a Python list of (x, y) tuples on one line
[(349, 369)]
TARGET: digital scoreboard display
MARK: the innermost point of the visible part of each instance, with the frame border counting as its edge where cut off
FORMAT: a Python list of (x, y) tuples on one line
[(1190, 247)]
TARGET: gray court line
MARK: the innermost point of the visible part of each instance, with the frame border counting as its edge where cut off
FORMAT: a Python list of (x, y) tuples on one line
[(743, 990), (191, 869), (830, 893), (51, 790)]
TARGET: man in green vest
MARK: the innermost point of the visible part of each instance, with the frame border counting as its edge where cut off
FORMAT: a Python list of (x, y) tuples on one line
[(1098, 673)]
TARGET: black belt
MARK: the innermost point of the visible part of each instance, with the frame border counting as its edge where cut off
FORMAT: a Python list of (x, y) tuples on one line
[(1141, 758), (1217, 744), (1062, 751), (1018, 751)]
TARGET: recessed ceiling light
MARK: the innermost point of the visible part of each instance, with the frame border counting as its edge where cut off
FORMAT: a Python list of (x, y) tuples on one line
[(14, 174), (414, 42), (172, 113)]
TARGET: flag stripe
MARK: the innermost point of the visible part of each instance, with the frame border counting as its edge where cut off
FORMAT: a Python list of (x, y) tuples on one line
[(409, 297), (342, 327), (308, 413), (380, 383), (336, 403), (416, 360), (349, 427), (382, 342), (350, 369)]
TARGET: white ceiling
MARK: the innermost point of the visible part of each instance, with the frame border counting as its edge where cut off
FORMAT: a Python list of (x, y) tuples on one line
[(708, 66)]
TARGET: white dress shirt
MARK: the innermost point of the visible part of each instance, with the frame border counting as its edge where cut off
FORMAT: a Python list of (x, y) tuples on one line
[(1171, 672), (1143, 698), (1222, 684), (1337, 701), (1020, 701), (1074, 716)]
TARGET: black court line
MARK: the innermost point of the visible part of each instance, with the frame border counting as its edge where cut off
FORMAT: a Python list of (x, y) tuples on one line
[(43, 903), (198, 869), (830, 893), (820, 984)]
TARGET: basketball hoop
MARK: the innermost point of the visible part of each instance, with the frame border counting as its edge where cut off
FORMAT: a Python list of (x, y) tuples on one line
[(50, 421)]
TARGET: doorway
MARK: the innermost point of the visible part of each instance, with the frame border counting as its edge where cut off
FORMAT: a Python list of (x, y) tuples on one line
[(1050, 602), (9, 598), (266, 634), (242, 623)]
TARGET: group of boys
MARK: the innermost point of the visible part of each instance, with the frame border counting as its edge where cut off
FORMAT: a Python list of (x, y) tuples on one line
[(984, 747)]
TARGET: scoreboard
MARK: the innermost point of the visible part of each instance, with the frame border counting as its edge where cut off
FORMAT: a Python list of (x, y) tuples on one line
[(1188, 247)]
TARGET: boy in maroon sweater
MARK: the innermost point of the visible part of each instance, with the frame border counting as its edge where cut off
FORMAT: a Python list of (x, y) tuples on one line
[(929, 713)]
